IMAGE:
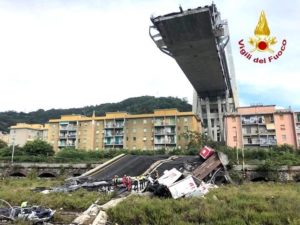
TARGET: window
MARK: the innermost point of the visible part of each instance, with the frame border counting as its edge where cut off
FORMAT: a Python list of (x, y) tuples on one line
[(249, 140), (126, 138), (133, 130), (97, 132), (145, 130), (235, 138), (185, 119), (98, 124), (283, 137), (248, 130), (145, 121), (186, 128), (134, 138), (282, 127), (144, 139), (134, 121)]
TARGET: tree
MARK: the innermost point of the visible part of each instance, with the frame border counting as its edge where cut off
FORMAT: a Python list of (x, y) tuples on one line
[(199, 140), (38, 147), (3, 144)]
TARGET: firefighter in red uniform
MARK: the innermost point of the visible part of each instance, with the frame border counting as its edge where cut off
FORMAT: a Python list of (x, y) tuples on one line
[(129, 183)]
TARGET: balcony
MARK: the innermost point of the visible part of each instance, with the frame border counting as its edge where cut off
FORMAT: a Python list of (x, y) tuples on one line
[(114, 143), (253, 120), (164, 124), (72, 136), (67, 128), (119, 133), (112, 134), (165, 143), (114, 125), (62, 136)]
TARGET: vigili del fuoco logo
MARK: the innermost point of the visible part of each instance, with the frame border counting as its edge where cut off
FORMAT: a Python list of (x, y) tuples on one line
[(262, 42)]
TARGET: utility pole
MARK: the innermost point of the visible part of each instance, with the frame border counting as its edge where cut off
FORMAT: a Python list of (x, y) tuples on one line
[(13, 152)]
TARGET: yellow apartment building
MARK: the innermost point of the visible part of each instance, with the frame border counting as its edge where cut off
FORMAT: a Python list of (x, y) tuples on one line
[(158, 130), (23, 132)]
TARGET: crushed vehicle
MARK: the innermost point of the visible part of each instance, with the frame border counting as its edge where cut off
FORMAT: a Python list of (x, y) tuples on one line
[(35, 214)]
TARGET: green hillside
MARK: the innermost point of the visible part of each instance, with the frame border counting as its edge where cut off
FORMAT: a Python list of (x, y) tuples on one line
[(136, 105)]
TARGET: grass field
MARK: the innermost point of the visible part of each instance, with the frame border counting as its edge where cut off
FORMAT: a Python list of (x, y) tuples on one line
[(248, 204)]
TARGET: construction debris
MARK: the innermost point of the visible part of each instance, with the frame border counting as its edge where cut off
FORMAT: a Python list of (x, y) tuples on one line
[(176, 176), (88, 215), (35, 214), (197, 182)]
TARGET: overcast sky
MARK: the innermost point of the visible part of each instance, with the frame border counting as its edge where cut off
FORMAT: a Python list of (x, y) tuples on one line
[(73, 53)]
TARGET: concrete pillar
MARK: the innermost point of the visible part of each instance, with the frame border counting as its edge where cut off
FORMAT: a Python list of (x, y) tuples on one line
[(220, 114), (215, 128), (195, 103), (208, 117), (226, 101)]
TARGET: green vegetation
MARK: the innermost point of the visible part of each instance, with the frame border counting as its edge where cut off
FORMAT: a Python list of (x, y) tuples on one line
[(3, 144), (271, 157), (137, 105), (38, 148), (255, 204)]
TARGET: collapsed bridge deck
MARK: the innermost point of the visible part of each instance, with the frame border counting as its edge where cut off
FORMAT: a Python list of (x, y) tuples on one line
[(196, 39)]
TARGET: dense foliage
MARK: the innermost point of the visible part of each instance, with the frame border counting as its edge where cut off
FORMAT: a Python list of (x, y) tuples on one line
[(38, 148), (137, 105), (3, 144)]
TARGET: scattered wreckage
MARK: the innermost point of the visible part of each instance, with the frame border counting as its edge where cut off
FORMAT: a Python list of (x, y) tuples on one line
[(195, 182), (35, 214), (173, 177)]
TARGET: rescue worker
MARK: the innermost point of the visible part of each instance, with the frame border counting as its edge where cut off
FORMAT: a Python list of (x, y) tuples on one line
[(129, 183), (124, 181)]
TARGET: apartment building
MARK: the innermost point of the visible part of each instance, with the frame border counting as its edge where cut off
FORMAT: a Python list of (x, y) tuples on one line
[(260, 126), (161, 129), (297, 126), (23, 132), (4, 137)]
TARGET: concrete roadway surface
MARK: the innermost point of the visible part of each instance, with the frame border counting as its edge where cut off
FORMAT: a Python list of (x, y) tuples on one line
[(131, 165), (136, 165)]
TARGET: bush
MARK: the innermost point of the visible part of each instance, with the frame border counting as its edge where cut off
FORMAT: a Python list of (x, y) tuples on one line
[(38, 147)]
